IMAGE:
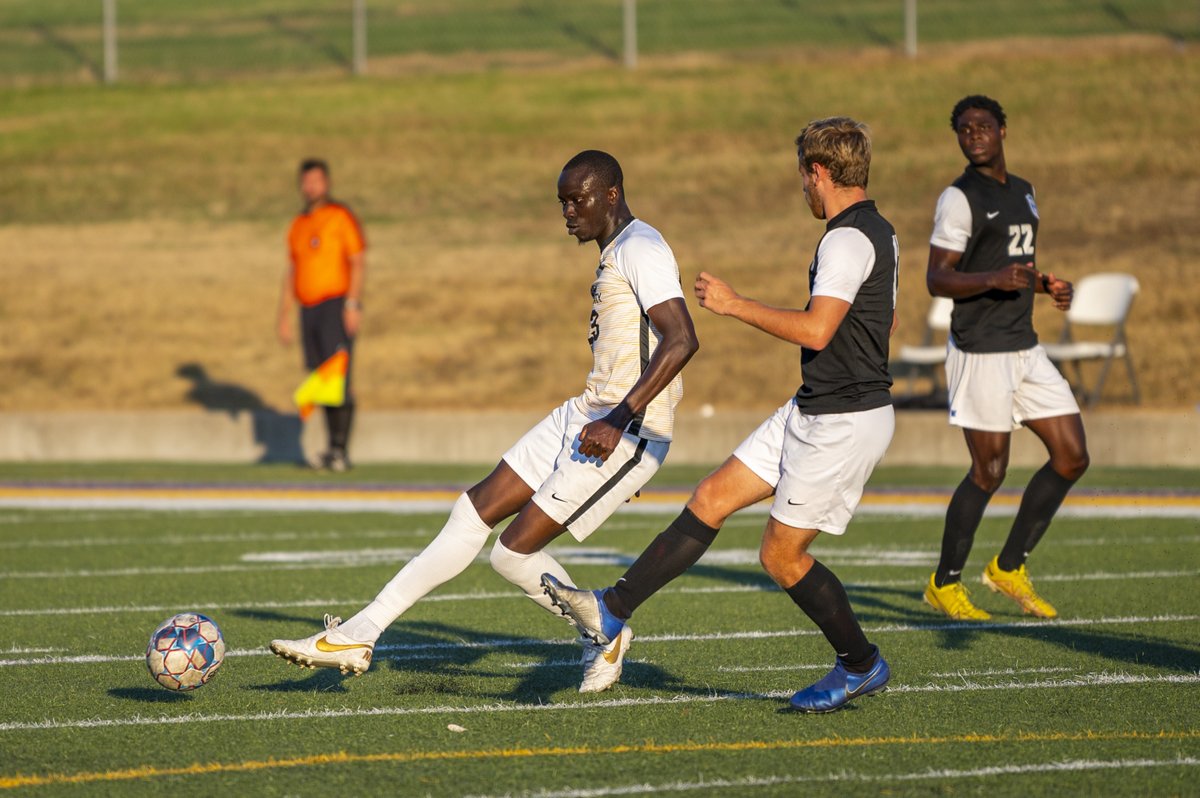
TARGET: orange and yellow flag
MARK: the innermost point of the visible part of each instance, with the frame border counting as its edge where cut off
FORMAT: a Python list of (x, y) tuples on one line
[(325, 386)]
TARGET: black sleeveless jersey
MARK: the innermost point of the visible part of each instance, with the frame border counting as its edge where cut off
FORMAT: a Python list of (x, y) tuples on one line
[(1004, 224), (850, 374)]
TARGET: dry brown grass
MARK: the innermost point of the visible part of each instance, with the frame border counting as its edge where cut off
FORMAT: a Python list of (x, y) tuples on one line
[(476, 297)]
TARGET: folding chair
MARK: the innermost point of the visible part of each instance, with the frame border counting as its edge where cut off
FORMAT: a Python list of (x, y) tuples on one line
[(1101, 300), (927, 359)]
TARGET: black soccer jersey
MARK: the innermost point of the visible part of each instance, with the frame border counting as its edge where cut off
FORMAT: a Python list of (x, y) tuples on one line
[(1003, 230), (850, 374)]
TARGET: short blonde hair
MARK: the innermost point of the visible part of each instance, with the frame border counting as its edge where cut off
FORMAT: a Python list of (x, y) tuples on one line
[(841, 145)]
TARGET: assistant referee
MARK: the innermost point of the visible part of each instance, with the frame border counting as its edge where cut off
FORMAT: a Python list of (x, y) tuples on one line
[(325, 273)]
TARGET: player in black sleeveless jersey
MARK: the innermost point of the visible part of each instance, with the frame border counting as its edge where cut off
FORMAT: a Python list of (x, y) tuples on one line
[(815, 453), (983, 255)]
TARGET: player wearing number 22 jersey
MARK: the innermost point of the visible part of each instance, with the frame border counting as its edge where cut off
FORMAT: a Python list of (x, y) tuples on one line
[(982, 254), (586, 458)]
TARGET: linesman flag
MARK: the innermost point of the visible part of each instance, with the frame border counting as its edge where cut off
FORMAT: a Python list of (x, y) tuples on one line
[(326, 385)]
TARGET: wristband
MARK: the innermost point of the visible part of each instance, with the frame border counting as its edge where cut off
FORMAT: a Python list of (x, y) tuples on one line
[(353, 304)]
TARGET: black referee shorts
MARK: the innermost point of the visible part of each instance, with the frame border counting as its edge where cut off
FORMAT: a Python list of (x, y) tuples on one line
[(323, 333)]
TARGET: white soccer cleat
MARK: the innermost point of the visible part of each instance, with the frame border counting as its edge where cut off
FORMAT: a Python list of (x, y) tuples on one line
[(602, 664), (327, 649), (584, 609)]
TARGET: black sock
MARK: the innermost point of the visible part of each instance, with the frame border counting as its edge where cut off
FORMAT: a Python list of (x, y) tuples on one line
[(962, 519), (824, 600), (337, 422), (1043, 496), (676, 549)]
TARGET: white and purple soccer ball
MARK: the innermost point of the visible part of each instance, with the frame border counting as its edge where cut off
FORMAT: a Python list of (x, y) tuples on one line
[(185, 651)]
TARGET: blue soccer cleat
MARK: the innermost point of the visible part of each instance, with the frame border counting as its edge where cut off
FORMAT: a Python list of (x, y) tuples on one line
[(840, 686), (585, 609)]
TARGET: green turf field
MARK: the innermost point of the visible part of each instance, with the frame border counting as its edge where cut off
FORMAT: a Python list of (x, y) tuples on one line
[(1103, 700)]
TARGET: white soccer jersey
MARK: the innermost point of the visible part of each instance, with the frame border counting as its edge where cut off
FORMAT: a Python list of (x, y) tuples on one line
[(637, 271)]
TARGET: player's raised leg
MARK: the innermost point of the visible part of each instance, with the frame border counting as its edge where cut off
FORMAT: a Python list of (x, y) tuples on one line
[(348, 646)]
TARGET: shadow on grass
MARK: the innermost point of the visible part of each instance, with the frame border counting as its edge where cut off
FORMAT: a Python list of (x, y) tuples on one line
[(313, 41), (149, 695), (69, 48), (864, 28), (321, 680), (574, 33), (447, 659), (1122, 648)]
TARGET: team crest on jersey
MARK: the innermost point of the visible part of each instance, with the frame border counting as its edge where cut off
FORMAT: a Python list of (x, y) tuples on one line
[(314, 242), (1032, 206)]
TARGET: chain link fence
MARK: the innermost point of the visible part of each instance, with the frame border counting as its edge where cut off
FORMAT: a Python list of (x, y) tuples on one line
[(63, 41)]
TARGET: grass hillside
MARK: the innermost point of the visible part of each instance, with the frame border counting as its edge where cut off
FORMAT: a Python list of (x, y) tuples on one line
[(144, 223)]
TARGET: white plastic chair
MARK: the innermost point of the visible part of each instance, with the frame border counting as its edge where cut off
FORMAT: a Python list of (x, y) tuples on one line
[(1101, 300), (927, 359)]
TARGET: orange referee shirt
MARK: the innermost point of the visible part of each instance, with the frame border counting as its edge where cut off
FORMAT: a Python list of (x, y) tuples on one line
[(321, 244)]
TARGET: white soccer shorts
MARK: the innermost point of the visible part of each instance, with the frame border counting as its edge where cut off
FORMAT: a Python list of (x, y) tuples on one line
[(818, 464), (576, 491), (998, 391)]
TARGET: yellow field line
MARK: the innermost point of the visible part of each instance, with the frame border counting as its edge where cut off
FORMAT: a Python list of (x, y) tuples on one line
[(342, 757)]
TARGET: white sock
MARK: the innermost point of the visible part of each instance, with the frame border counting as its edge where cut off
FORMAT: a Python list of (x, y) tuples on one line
[(525, 571), (446, 556)]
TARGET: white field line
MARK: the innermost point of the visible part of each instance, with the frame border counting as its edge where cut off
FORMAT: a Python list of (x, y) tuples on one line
[(584, 555), (387, 534), (74, 517), (735, 786), (832, 553), (244, 504), (188, 539), (950, 675), (1096, 679), (870, 507), (406, 650), (1096, 576)]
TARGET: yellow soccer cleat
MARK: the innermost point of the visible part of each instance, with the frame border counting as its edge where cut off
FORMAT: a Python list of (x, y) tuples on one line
[(954, 600), (1016, 585)]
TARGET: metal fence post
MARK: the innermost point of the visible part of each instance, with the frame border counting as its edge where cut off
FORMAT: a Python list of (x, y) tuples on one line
[(631, 48), (910, 28), (110, 41), (360, 37)]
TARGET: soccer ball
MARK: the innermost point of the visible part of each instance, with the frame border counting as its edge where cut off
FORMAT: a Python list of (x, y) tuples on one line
[(185, 651)]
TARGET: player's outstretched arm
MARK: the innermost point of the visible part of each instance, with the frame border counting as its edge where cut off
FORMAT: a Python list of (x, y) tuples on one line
[(813, 328), (678, 344), (942, 277)]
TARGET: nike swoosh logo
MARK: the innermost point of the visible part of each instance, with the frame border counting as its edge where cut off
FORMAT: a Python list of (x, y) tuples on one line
[(323, 645), (555, 497), (993, 214), (852, 693), (795, 504), (611, 657)]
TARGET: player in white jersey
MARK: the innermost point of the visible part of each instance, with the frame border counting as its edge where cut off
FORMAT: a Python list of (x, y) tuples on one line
[(815, 453), (575, 467)]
